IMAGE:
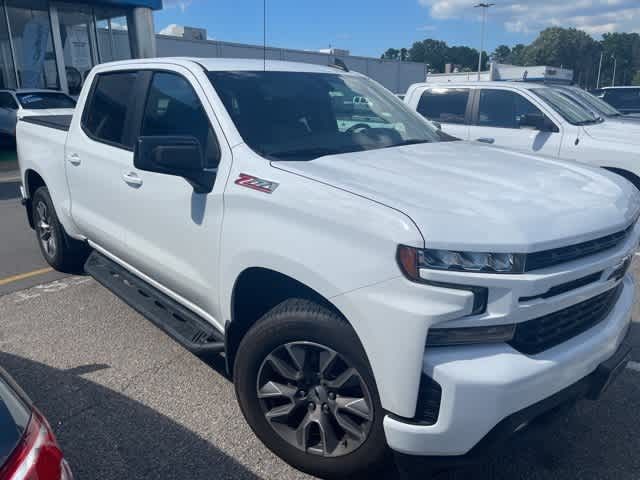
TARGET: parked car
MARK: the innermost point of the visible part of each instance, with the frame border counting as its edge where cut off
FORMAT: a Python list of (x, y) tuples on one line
[(625, 99), (370, 284), (595, 105), (532, 118), (25, 102), (28, 447)]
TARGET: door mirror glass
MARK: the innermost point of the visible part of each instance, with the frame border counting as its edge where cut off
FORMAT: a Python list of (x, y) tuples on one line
[(180, 156)]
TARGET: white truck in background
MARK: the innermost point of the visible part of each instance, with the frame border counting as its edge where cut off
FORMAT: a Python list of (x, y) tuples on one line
[(375, 287), (531, 118)]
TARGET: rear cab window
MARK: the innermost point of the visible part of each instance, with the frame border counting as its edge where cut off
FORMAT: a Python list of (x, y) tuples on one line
[(107, 108), (444, 105)]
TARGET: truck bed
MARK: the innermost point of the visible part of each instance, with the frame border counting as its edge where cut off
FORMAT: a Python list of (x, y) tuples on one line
[(59, 122)]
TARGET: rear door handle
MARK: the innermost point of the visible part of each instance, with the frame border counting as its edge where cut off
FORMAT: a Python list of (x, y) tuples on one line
[(490, 141), (74, 159), (131, 178)]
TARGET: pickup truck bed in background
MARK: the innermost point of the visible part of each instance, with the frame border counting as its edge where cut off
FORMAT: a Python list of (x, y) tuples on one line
[(59, 122)]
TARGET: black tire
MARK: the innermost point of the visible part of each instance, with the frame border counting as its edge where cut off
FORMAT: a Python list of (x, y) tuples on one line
[(60, 251), (298, 320)]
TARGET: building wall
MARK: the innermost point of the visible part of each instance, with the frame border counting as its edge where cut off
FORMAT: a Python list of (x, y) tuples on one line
[(395, 75)]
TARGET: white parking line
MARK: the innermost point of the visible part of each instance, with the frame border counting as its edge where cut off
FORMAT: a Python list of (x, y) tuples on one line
[(635, 366)]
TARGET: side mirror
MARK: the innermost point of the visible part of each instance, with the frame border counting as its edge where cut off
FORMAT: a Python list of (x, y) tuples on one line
[(180, 156), (538, 122)]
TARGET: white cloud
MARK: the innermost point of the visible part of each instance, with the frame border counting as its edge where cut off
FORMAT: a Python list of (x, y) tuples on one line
[(594, 16), (181, 4)]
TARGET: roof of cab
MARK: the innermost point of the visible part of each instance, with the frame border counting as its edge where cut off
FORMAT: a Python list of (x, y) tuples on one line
[(236, 64), (484, 83)]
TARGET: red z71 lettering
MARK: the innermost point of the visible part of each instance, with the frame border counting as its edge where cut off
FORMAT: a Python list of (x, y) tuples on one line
[(255, 183)]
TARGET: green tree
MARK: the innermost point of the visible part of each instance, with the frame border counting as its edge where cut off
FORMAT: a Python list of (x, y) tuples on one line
[(516, 57), (568, 48), (501, 54), (625, 48), (636, 79), (391, 54), (430, 51)]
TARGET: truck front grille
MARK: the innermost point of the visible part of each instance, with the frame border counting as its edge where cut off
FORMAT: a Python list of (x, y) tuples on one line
[(540, 334), (556, 256)]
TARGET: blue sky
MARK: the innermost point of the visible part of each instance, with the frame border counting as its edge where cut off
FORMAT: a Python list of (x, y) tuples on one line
[(370, 27)]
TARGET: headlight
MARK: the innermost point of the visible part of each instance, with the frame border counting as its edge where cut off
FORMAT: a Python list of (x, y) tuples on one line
[(413, 259), (441, 337)]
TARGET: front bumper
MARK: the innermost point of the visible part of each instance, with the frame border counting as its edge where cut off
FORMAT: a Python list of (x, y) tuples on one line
[(484, 385)]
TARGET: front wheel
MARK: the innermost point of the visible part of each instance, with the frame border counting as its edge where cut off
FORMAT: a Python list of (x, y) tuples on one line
[(306, 388), (59, 250)]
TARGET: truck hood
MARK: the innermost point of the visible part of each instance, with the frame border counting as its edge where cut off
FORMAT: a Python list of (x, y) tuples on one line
[(470, 197), (616, 132)]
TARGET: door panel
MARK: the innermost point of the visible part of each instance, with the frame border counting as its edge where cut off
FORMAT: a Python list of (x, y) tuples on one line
[(173, 232), (497, 122), (97, 155)]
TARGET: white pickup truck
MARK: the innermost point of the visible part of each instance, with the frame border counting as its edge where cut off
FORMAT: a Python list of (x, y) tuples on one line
[(371, 282), (532, 118)]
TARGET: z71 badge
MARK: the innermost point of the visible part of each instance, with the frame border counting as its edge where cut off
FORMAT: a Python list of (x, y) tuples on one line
[(255, 183)]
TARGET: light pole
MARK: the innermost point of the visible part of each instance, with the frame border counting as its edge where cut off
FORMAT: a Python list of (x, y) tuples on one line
[(599, 70), (484, 7), (615, 65)]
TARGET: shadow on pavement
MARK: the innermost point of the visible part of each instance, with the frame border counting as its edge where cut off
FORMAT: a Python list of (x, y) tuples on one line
[(9, 190), (106, 435)]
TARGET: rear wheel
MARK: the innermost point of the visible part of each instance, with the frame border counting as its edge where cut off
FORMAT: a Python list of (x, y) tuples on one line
[(305, 387), (59, 250)]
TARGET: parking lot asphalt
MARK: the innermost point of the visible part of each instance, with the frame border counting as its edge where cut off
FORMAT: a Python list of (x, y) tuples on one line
[(127, 402)]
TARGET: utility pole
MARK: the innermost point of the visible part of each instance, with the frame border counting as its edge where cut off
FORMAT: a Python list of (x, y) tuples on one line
[(599, 70), (615, 65), (484, 7)]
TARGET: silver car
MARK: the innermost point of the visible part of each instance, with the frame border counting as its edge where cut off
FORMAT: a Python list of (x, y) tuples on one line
[(19, 103)]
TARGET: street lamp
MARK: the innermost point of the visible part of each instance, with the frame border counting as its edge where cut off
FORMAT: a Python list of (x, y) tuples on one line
[(484, 7), (615, 65)]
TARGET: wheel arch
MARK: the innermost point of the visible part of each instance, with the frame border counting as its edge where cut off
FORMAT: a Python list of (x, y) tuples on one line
[(250, 301), (32, 181), (630, 176)]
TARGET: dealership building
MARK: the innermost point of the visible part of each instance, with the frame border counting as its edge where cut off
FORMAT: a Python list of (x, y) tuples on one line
[(51, 44)]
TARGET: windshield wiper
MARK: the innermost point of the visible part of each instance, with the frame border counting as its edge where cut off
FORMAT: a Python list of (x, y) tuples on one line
[(309, 153), (411, 141)]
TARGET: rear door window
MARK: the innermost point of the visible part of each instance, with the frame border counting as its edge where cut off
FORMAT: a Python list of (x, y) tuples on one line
[(174, 109), (623, 98), (106, 111), (445, 105)]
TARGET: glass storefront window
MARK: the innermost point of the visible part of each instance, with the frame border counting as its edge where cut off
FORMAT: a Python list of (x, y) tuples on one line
[(113, 35), (77, 36), (32, 43), (7, 72)]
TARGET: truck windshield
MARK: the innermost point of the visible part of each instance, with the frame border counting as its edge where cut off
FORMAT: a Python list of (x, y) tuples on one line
[(44, 100), (570, 110), (590, 101), (302, 115)]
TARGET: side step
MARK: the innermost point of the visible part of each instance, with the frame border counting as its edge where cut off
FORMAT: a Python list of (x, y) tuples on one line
[(185, 327)]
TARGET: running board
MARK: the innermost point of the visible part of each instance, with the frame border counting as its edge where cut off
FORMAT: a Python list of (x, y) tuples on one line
[(184, 326)]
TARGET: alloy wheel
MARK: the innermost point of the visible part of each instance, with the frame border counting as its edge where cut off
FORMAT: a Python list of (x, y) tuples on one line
[(45, 230), (314, 399)]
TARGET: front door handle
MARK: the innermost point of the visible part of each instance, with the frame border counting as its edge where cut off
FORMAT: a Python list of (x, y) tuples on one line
[(74, 159), (490, 141), (131, 178)]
